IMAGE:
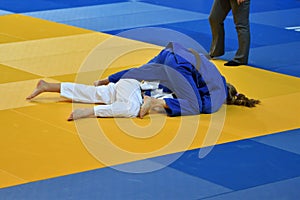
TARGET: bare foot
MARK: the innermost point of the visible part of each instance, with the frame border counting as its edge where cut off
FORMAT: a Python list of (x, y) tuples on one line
[(145, 108), (81, 113), (40, 88)]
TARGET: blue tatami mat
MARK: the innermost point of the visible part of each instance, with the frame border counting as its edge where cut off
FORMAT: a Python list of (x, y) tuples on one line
[(288, 140), (18, 6), (108, 183), (278, 18), (260, 168), (202, 6), (21, 6), (242, 164), (97, 11), (273, 5), (282, 190), (3, 12), (118, 16)]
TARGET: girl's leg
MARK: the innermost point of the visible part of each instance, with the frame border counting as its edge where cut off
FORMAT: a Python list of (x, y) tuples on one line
[(44, 86), (87, 93), (77, 92)]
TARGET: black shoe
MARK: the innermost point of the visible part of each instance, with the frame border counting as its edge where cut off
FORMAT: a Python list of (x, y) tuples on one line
[(232, 63)]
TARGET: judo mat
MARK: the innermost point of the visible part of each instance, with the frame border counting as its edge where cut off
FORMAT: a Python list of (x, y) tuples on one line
[(235, 152)]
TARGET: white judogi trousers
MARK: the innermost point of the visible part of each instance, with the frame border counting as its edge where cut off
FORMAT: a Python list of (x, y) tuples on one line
[(121, 99)]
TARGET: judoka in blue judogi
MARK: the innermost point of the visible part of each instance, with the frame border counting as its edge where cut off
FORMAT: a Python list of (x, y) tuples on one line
[(195, 83)]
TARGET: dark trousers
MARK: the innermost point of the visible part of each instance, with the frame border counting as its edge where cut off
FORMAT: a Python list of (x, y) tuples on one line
[(219, 11)]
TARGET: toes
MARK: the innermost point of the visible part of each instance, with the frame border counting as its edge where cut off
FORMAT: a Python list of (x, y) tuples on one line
[(41, 87)]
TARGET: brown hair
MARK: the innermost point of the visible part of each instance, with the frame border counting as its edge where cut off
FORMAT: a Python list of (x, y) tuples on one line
[(235, 98)]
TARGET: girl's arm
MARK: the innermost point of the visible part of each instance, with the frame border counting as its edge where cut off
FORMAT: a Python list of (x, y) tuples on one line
[(112, 78)]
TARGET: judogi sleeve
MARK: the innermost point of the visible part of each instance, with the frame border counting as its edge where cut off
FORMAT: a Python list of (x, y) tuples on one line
[(117, 76)]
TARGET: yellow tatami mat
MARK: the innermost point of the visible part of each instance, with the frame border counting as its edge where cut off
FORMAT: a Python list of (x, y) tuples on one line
[(37, 142), (16, 28)]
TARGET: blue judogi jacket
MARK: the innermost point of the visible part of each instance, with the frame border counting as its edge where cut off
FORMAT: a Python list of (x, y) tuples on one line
[(196, 82)]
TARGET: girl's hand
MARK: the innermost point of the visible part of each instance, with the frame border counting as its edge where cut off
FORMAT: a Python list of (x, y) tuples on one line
[(240, 1), (101, 82)]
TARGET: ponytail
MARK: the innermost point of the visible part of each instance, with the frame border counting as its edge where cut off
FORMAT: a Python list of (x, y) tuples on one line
[(234, 98)]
